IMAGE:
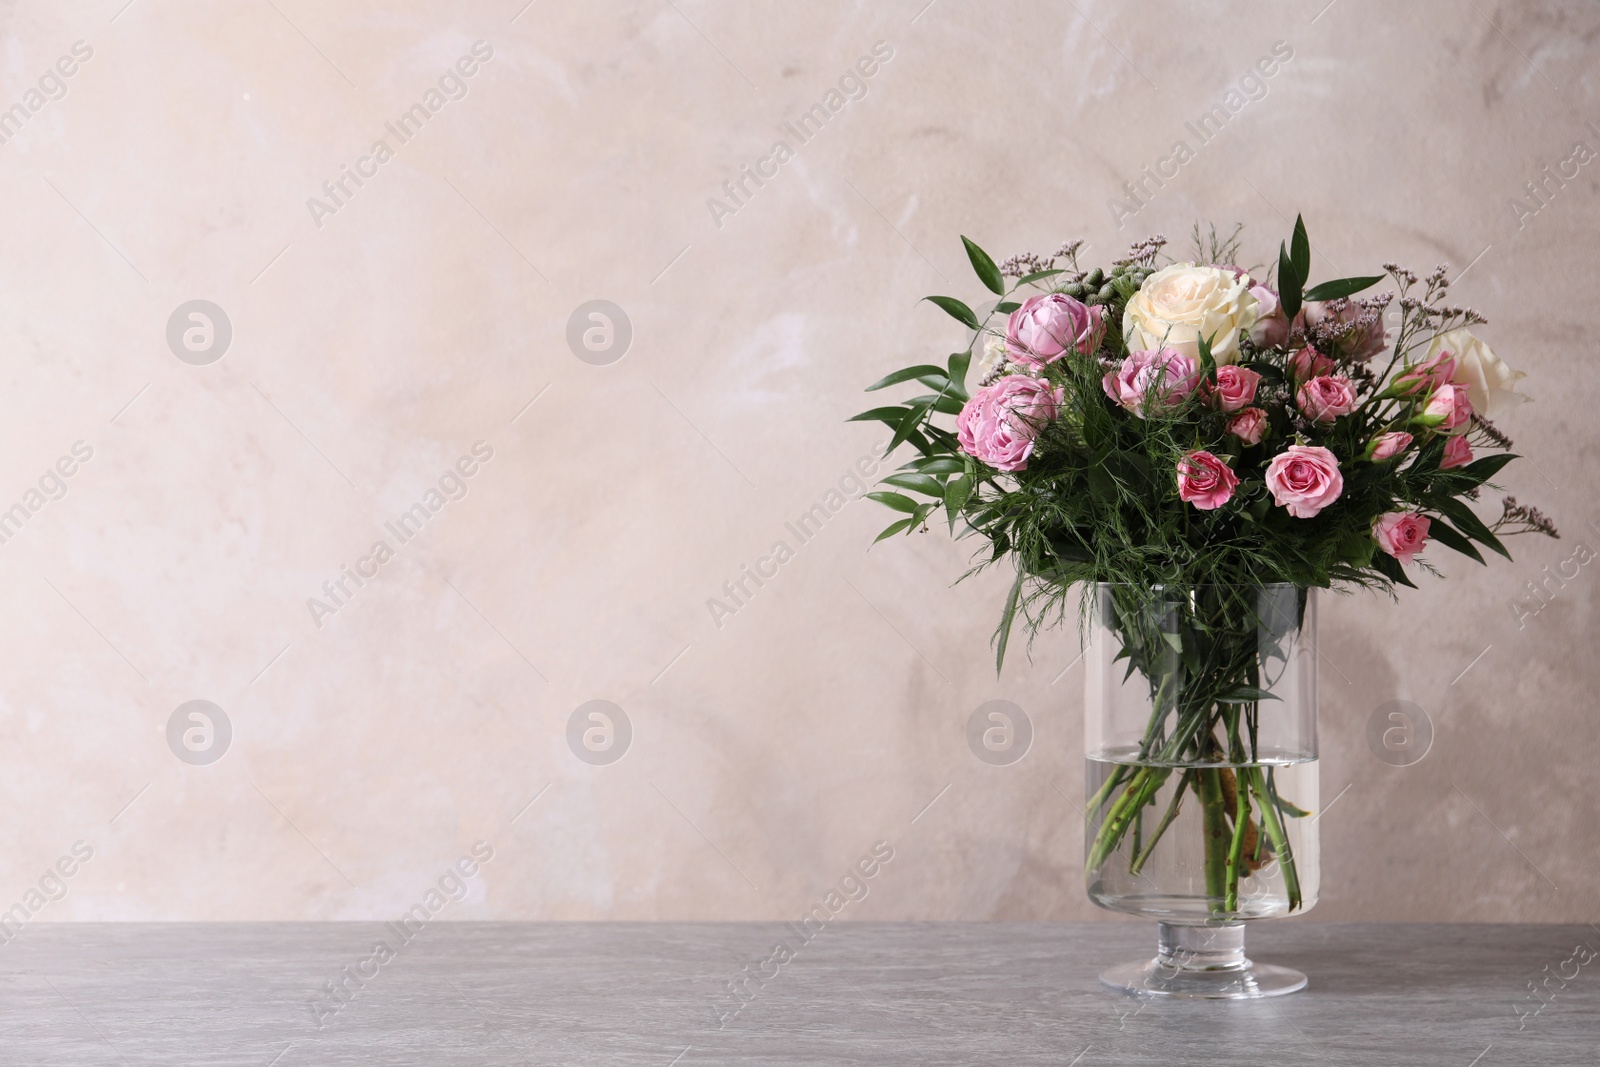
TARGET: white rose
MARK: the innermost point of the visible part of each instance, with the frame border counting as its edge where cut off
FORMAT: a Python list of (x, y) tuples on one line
[(1178, 305), (1491, 385), (994, 354)]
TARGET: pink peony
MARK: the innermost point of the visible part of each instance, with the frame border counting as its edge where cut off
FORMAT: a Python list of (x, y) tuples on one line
[(1448, 409), (1205, 481), (1249, 425), (1309, 363), (1171, 372), (1387, 446), (1235, 388), (1401, 533), (1304, 479), (1325, 398), (1436, 371), (1048, 326), (999, 423), (1457, 453), (1272, 327)]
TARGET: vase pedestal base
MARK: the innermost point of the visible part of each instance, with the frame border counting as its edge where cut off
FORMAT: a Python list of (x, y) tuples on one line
[(1207, 962)]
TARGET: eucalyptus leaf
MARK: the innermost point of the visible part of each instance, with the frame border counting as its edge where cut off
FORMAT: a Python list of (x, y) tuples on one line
[(917, 483), (1392, 570), (957, 371), (888, 416), (1342, 287), (896, 501), (1483, 469), (1245, 694), (894, 528), (956, 310), (1447, 536), (905, 374), (984, 267), (1290, 284), (956, 492), (915, 413), (1469, 523), (1300, 250), (1003, 634)]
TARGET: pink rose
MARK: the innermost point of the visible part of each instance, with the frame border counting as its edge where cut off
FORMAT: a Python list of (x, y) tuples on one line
[(1309, 363), (1205, 481), (1401, 534), (1457, 453), (1430, 374), (1272, 327), (1168, 374), (1325, 398), (1387, 446), (1448, 409), (1248, 425), (999, 423), (1304, 479), (1361, 344), (1048, 326), (1235, 388)]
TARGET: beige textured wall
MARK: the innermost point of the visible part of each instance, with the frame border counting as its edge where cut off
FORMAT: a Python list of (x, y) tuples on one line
[(374, 345)]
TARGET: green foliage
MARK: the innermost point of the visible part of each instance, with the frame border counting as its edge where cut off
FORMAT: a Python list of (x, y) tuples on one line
[(956, 310), (1098, 500), (1290, 283), (987, 272), (1342, 287), (905, 374)]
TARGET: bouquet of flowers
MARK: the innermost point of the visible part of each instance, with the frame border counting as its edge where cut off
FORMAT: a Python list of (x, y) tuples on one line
[(1202, 428)]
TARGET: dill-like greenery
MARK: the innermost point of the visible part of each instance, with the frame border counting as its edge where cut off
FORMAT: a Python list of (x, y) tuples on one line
[(1097, 504), (1098, 500)]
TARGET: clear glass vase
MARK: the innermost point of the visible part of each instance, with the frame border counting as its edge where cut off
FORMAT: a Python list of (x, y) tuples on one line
[(1200, 738)]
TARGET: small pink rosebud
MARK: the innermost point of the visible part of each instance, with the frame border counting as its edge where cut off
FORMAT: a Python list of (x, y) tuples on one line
[(1457, 453), (1325, 398), (1205, 481), (1304, 479), (1308, 363), (1402, 534), (1235, 388), (1448, 409), (1430, 374), (1386, 446), (1248, 425)]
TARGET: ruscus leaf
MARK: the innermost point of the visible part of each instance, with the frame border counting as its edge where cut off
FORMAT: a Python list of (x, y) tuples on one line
[(984, 267), (955, 309)]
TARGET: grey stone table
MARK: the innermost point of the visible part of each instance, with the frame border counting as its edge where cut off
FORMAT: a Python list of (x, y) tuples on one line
[(657, 995)]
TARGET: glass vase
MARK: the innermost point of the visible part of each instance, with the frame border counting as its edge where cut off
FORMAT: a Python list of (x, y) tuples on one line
[(1200, 739)]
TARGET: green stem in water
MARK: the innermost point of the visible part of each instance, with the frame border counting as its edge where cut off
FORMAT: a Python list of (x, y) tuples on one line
[(1141, 787), (1214, 825), (1184, 783), (1105, 791), (1241, 822), (1268, 803)]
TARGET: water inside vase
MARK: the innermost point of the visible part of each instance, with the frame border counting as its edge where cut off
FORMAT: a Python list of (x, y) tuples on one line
[(1162, 866)]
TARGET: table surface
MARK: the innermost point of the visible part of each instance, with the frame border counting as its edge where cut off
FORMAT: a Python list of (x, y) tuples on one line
[(657, 994)]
